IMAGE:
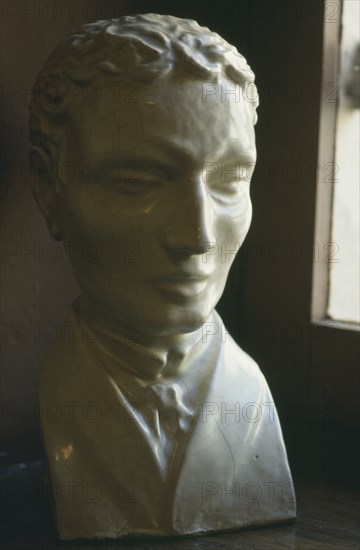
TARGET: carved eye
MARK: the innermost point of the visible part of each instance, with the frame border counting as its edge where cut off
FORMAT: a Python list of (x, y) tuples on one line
[(227, 191), (131, 181), (136, 186), (228, 179), (231, 187)]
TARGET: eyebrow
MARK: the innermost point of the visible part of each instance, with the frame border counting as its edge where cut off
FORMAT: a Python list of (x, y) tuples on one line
[(246, 156), (187, 155), (114, 160), (173, 158)]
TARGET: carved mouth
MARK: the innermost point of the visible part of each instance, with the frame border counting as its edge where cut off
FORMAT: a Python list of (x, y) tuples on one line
[(182, 286)]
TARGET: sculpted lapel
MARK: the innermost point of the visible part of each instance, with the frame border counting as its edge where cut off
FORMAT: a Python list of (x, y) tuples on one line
[(107, 476)]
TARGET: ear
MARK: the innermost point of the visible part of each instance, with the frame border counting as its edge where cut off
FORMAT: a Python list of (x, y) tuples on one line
[(45, 187)]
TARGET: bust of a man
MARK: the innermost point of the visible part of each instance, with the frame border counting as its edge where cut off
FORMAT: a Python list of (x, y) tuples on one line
[(142, 136)]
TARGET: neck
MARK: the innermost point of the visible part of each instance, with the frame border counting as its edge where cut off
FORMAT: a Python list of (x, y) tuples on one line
[(151, 353)]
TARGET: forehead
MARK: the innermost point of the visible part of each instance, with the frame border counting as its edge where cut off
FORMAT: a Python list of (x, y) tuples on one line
[(178, 116)]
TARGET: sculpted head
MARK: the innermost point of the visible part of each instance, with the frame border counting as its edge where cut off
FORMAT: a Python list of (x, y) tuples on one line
[(142, 136)]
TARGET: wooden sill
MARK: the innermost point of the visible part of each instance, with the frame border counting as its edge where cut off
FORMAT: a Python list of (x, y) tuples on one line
[(328, 519)]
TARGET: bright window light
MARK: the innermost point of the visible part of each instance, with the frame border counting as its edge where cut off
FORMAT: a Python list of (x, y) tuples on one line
[(344, 263)]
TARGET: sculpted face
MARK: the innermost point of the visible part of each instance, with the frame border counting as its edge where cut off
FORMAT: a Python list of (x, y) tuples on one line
[(158, 201)]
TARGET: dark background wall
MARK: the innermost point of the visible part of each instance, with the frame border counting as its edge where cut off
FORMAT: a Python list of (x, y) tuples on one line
[(267, 303)]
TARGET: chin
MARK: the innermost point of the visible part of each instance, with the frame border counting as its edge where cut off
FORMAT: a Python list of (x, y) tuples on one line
[(175, 322), (185, 318)]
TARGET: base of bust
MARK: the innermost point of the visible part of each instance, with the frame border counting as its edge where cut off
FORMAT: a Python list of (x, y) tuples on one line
[(161, 535)]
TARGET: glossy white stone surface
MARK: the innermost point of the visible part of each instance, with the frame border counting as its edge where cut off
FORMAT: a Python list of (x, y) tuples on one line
[(155, 422)]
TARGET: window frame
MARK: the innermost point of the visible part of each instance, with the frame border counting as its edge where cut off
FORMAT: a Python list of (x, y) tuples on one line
[(325, 193)]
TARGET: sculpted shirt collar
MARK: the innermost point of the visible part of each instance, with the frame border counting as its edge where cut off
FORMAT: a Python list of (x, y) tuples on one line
[(149, 364)]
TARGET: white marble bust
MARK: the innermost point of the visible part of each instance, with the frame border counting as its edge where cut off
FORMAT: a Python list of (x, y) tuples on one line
[(142, 135)]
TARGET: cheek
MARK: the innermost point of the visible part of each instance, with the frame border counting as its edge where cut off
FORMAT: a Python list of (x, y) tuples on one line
[(84, 213), (99, 214), (234, 224), (104, 236), (246, 218)]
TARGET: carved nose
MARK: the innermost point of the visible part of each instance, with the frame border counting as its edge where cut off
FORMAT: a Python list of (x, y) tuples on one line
[(191, 229)]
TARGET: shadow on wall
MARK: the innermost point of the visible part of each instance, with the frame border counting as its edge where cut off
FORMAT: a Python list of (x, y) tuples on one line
[(37, 283)]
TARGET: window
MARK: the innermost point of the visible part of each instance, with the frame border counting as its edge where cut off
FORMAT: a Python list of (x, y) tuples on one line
[(335, 289), (344, 267)]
